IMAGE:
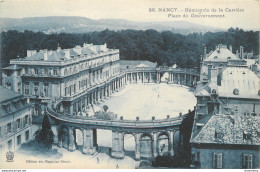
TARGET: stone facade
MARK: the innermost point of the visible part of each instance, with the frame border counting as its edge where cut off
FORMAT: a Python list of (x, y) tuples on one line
[(16, 120), (49, 75)]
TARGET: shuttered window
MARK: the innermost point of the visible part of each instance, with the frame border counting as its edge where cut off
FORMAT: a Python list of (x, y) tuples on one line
[(248, 161), (217, 160)]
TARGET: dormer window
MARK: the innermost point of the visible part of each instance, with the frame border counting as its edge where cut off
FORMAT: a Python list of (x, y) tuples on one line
[(218, 134), (215, 57), (228, 58), (246, 135)]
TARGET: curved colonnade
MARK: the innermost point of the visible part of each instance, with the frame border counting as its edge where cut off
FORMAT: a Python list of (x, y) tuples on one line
[(152, 137)]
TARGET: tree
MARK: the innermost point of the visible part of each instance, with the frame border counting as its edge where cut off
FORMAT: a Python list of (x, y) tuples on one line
[(45, 136)]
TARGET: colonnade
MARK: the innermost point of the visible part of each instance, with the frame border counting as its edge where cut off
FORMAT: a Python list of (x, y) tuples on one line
[(147, 144), (181, 78)]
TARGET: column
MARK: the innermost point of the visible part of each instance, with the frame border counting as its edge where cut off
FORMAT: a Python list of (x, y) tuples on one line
[(71, 109), (190, 80), (131, 78), (105, 92), (60, 137), (185, 78), (137, 146), (77, 108), (150, 78), (117, 150), (89, 141), (98, 94), (154, 145), (86, 101), (72, 146), (171, 143), (80, 105), (92, 97), (143, 77), (179, 79)]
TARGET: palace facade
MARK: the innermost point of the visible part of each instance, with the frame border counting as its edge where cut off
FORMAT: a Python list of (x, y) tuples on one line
[(63, 73)]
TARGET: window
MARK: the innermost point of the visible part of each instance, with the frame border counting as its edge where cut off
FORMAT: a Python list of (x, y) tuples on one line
[(9, 128), (45, 71), (45, 89), (18, 123), (8, 73), (26, 71), (27, 136), (26, 88), (18, 140), (7, 108), (55, 72), (9, 85), (35, 71), (248, 161), (217, 160), (36, 88), (26, 120)]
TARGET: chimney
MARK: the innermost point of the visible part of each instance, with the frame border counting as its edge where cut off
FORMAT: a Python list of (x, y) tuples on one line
[(205, 53), (213, 76), (31, 52), (67, 53), (45, 55), (209, 71), (77, 49), (230, 48), (241, 52)]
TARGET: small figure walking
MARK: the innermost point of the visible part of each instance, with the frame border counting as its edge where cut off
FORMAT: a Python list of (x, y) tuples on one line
[(158, 95), (97, 160), (117, 166)]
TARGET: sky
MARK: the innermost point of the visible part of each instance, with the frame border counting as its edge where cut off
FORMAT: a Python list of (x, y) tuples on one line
[(138, 10)]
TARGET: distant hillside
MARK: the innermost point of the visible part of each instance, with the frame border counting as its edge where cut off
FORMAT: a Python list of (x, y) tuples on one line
[(58, 24)]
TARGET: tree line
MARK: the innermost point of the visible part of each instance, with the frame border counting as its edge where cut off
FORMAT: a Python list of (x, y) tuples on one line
[(165, 48)]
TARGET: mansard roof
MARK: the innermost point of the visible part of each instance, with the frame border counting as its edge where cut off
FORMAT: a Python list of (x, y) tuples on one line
[(10, 102), (242, 79), (221, 54), (59, 54)]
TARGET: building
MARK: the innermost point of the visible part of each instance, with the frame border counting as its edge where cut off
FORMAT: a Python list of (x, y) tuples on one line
[(226, 131), (15, 120), (63, 73)]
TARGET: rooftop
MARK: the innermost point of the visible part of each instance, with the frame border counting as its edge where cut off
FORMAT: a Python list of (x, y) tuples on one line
[(221, 54), (243, 79), (7, 94), (130, 64), (12, 67), (233, 129), (65, 54)]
